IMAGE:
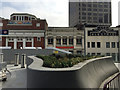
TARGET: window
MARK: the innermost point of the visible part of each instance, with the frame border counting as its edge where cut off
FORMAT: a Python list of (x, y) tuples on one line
[(88, 44), (50, 40), (58, 41), (93, 44), (79, 52), (71, 51), (71, 40), (100, 20), (98, 54), (107, 54), (98, 45), (93, 54), (106, 18), (38, 38), (107, 44), (113, 44), (37, 24), (79, 40), (65, 41), (117, 44), (88, 54)]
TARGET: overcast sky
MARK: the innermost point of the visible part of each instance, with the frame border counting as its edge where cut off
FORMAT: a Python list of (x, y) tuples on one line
[(54, 11)]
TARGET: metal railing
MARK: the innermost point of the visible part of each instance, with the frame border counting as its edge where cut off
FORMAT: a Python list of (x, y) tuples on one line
[(113, 84)]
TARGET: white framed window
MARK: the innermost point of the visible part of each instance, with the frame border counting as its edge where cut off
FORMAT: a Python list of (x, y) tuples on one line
[(37, 24), (28, 39), (38, 38), (50, 40)]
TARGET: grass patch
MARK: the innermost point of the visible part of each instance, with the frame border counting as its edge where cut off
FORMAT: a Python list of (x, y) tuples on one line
[(62, 61)]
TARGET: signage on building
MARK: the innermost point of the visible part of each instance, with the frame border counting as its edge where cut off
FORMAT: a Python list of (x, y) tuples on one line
[(4, 32), (56, 52)]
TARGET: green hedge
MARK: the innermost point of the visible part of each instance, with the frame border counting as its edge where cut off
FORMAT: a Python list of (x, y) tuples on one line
[(62, 61)]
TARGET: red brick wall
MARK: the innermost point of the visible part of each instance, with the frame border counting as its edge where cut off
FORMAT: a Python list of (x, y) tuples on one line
[(39, 43), (19, 44), (11, 44), (28, 44), (43, 25)]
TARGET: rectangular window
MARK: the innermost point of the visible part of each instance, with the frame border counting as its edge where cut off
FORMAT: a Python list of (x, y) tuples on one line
[(117, 44), (98, 54), (107, 54), (98, 45), (93, 54), (88, 44), (93, 44), (58, 41), (50, 40), (88, 54), (71, 41), (65, 41), (107, 44), (113, 44), (79, 41), (79, 52), (37, 24)]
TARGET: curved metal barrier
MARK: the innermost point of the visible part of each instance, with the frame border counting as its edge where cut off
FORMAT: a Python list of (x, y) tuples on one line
[(113, 84), (87, 74)]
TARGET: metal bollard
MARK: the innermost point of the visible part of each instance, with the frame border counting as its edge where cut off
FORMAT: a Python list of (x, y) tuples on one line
[(16, 59), (23, 60), (1, 57)]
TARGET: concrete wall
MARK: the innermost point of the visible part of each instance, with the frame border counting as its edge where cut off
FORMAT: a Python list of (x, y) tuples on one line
[(9, 55), (89, 74)]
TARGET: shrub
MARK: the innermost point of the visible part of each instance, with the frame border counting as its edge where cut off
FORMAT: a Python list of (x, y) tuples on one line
[(62, 61)]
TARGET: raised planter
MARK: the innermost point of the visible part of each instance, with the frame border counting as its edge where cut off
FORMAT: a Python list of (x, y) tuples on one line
[(88, 74)]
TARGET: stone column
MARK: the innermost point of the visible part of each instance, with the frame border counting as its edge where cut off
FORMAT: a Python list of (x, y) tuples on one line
[(61, 40), (24, 43), (67, 40), (15, 43), (74, 41), (54, 41), (6, 42), (33, 42), (46, 42)]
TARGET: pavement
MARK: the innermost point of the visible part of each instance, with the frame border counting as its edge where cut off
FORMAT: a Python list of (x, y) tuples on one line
[(17, 79)]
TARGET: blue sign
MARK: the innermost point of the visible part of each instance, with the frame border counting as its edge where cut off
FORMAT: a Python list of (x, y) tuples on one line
[(4, 32)]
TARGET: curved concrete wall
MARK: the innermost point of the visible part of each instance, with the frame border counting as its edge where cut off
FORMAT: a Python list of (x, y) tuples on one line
[(88, 74)]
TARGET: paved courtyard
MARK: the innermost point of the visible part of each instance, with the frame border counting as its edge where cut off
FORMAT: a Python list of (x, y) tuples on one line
[(17, 79)]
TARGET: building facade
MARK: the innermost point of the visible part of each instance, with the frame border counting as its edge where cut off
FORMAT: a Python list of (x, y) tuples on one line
[(69, 39), (22, 30), (102, 41), (90, 12)]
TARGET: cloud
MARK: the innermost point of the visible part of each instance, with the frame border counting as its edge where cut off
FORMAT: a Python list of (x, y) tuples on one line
[(55, 12)]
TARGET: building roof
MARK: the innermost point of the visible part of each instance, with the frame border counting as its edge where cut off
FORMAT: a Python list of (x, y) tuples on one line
[(23, 14)]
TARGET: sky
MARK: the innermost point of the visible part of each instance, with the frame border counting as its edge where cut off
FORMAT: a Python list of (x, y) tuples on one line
[(54, 11)]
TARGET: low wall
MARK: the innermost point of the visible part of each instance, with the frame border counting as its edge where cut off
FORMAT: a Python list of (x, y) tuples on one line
[(9, 54), (88, 74)]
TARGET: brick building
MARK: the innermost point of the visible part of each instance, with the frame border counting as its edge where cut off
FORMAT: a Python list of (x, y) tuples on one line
[(22, 30)]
